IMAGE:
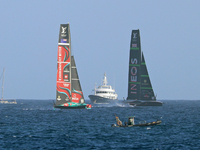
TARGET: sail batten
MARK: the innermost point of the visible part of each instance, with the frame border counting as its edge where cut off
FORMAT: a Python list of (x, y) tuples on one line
[(63, 43), (134, 65), (134, 82), (134, 48)]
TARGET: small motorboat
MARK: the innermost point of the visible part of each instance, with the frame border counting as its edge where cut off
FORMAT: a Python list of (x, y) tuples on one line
[(140, 124)]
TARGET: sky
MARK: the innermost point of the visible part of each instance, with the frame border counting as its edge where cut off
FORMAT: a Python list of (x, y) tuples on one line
[(100, 34)]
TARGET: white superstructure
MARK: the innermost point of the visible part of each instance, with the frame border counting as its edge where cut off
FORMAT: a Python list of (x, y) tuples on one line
[(104, 93)]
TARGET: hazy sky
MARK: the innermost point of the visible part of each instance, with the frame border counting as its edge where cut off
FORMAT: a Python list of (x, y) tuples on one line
[(100, 34)]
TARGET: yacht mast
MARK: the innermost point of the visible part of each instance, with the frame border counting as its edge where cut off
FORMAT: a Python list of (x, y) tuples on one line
[(105, 80), (2, 84)]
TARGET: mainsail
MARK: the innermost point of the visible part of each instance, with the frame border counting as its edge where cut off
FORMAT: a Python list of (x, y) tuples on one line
[(68, 89), (134, 66), (63, 85), (2, 100), (139, 84)]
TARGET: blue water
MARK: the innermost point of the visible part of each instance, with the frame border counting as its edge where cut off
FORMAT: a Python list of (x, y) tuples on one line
[(34, 124)]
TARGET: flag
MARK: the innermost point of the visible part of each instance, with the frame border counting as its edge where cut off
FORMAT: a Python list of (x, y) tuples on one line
[(63, 40), (134, 45)]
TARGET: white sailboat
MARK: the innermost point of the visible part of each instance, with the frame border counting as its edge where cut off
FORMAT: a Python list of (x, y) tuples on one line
[(5, 101)]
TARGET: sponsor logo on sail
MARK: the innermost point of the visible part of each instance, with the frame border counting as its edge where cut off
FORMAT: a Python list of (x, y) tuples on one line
[(63, 32), (145, 82), (74, 97), (59, 72), (66, 104), (58, 98), (59, 53), (133, 89), (134, 37), (66, 76), (60, 50), (59, 64), (64, 29), (66, 84), (134, 76), (67, 99), (134, 61)]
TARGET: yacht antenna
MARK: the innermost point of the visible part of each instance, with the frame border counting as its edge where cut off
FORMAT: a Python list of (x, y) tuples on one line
[(105, 80), (95, 89), (114, 81)]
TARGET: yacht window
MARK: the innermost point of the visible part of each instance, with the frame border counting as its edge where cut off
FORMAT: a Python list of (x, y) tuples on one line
[(101, 92), (105, 87)]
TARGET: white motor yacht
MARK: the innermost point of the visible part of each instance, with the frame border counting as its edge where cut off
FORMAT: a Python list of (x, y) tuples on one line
[(104, 94)]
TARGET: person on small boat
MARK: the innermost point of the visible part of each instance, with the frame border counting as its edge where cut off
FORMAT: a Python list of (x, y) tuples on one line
[(119, 123), (125, 123), (131, 121)]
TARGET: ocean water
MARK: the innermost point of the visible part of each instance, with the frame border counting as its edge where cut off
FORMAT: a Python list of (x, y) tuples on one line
[(35, 124)]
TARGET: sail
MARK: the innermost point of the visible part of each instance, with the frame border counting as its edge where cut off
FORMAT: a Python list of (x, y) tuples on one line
[(63, 83), (69, 94), (77, 94), (146, 88), (3, 74), (134, 66)]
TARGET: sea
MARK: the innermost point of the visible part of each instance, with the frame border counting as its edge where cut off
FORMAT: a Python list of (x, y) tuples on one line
[(35, 124)]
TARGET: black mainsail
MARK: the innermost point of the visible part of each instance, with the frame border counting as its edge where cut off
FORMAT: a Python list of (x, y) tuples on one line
[(139, 85), (134, 66), (69, 94)]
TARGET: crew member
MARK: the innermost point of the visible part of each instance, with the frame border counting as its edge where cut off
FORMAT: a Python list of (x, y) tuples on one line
[(131, 121), (125, 123)]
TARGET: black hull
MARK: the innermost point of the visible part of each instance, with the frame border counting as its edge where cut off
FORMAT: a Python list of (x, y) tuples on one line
[(141, 125), (100, 100), (145, 103), (63, 107)]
